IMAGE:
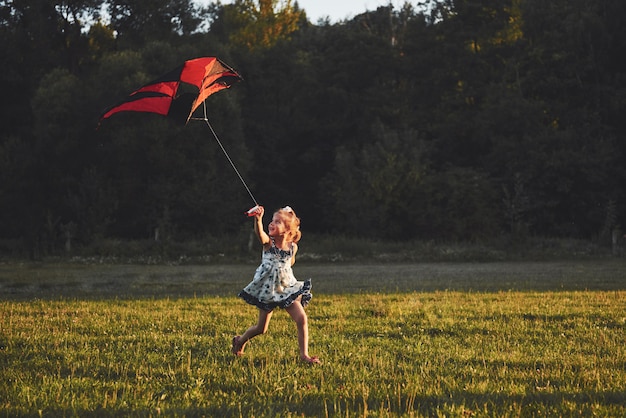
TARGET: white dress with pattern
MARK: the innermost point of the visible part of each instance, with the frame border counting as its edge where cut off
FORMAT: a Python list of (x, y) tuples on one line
[(274, 284)]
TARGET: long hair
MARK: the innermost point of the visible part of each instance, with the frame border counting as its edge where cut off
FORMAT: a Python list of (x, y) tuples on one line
[(292, 223)]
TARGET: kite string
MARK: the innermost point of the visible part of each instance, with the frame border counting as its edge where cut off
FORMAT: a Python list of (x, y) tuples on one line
[(206, 119)]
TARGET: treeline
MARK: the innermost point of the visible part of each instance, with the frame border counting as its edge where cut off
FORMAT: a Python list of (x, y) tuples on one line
[(447, 120)]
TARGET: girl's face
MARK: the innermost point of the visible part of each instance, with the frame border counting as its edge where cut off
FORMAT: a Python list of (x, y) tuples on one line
[(277, 227)]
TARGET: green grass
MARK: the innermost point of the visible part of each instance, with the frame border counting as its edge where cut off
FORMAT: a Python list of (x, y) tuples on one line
[(528, 339)]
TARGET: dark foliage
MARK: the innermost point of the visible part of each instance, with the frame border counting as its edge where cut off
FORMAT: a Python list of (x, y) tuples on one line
[(458, 121)]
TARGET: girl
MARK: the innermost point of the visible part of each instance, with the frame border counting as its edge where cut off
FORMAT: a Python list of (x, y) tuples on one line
[(274, 284)]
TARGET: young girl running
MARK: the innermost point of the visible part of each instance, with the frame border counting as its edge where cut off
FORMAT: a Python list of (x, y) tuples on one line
[(274, 284)]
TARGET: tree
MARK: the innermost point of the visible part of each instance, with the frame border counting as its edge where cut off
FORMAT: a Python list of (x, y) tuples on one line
[(372, 188), (261, 24), (139, 21)]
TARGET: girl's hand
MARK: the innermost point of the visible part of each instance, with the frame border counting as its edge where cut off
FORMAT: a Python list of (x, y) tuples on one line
[(259, 212), (255, 211)]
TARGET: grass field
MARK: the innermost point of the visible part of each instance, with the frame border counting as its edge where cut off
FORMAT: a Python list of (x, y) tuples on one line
[(438, 339)]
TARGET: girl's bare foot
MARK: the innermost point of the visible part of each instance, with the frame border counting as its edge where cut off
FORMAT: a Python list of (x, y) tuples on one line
[(311, 360), (237, 349)]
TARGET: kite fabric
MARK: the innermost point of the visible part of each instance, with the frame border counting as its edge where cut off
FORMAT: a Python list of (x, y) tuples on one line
[(208, 74)]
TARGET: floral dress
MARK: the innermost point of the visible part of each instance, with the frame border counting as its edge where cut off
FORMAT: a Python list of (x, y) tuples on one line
[(274, 284)]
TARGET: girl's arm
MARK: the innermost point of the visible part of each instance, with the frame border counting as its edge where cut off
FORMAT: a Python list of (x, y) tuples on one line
[(264, 239), (293, 254)]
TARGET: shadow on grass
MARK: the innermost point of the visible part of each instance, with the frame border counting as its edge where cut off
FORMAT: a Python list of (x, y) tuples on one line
[(53, 281)]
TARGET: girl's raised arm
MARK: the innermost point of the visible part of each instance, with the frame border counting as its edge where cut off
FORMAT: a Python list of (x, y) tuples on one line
[(258, 227)]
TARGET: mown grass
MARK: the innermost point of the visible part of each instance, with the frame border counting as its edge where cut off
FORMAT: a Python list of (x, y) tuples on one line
[(416, 350)]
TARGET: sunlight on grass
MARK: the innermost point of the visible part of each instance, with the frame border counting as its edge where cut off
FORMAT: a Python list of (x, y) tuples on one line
[(412, 354)]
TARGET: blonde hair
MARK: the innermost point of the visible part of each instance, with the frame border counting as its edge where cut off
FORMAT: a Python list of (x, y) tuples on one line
[(292, 223)]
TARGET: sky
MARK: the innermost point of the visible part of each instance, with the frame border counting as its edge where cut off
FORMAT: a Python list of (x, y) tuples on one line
[(341, 9), (336, 10)]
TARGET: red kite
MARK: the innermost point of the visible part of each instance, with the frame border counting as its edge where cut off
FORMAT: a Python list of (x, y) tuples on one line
[(208, 74)]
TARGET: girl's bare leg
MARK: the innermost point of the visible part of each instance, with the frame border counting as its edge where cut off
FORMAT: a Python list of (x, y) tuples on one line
[(240, 341), (302, 323)]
